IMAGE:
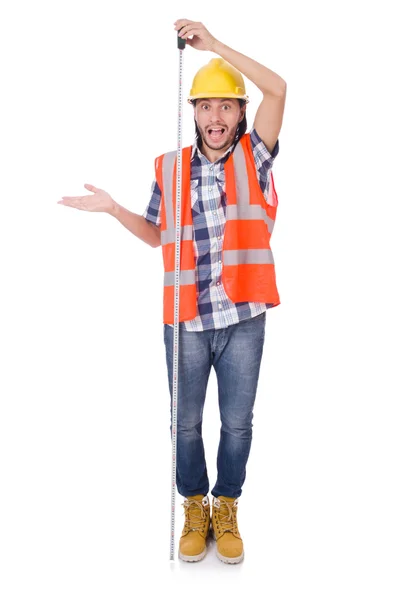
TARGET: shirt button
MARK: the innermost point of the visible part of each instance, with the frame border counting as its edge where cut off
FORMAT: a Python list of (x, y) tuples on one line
[(214, 212), (220, 261), (219, 237), (218, 283), (220, 305)]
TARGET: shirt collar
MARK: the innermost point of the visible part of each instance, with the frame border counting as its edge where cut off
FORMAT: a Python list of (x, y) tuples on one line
[(195, 149)]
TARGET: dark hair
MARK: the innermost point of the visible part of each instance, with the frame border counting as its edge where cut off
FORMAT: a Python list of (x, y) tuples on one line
[(241, 129)]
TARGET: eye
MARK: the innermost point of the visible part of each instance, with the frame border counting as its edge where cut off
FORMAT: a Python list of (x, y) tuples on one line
[(227, 106), (204, 106)]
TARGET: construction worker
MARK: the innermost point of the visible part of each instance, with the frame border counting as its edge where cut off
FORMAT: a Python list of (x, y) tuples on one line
[(227, 275)]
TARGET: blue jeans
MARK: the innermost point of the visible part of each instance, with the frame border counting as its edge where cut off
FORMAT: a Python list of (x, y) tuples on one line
[(235, 353)]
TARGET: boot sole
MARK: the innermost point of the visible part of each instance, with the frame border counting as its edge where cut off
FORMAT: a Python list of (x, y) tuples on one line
[(230, 560), (194, 558)]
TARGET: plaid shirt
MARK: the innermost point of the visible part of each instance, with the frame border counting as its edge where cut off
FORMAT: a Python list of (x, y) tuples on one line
[(215, 310)]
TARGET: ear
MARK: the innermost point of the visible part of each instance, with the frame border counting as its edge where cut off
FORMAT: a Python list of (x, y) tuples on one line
[(242, 113)]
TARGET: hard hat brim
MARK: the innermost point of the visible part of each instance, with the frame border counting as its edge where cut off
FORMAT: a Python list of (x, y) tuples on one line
[(218, 95)]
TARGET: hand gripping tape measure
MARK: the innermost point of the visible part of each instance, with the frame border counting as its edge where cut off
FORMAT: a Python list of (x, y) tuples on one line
[(174, 404)]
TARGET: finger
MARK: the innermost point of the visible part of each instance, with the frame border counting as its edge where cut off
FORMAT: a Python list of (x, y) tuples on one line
[(182, 30), (90, 187), (192, 25), (73, 206), (182, 23), (73, 201), (191, 32), (72, 198)]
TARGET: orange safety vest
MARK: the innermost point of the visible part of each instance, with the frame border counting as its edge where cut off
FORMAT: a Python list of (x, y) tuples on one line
[(248, 273)]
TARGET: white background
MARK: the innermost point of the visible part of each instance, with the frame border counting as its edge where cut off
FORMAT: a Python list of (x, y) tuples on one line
[(89, 95)]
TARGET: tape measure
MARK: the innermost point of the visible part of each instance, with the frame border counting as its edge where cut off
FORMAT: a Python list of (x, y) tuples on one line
[(174, 405)]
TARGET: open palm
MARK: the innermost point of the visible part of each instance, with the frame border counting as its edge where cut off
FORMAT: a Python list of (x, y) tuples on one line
[(99, 201)]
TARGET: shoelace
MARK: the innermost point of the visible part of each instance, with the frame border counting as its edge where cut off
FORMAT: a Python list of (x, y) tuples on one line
[(194, 521), (228, 521)]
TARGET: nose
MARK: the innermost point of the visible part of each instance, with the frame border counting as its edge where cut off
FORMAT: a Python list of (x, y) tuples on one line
[(215, 114)]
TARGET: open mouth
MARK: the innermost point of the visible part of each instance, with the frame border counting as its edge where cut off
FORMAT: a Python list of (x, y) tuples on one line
[(216, 133)]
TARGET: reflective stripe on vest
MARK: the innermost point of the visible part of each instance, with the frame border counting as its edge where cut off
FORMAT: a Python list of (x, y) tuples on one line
[(248, 257), (186, 277)]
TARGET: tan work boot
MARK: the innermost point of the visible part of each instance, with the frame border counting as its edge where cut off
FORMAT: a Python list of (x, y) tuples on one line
[(229, 545), (192, 545)]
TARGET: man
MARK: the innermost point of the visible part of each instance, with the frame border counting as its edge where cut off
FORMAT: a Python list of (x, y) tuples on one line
[(227, 277)]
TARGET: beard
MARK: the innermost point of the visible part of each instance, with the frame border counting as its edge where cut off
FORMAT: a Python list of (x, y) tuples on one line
[(226, 140)]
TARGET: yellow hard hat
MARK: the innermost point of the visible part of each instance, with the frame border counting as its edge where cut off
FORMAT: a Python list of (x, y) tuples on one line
[(218, 79)]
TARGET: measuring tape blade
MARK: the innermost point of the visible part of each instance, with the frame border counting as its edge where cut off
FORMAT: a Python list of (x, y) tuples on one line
[(181, 46)]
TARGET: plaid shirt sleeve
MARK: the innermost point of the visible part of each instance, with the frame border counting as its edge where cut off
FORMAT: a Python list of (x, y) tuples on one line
[(263, 159), (152, 211)]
